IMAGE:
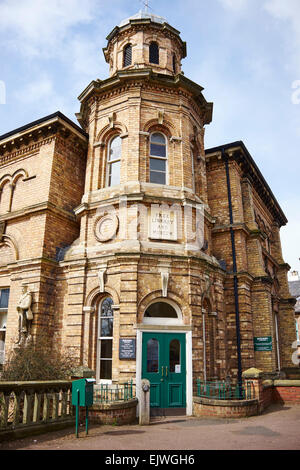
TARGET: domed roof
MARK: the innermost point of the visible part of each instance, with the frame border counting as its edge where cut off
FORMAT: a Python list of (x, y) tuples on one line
[(143, 15)]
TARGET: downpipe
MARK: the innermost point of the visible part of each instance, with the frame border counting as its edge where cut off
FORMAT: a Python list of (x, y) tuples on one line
[(235, 279)]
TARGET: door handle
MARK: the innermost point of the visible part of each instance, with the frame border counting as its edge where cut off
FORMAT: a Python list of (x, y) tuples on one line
[(166, 371), (162, 371)]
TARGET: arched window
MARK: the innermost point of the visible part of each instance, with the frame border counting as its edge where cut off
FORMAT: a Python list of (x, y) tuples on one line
[(127, 55), (153, 53), (114, 161), (105, 340), (161, 312), (193, 171), (174, 63), (158, 158)]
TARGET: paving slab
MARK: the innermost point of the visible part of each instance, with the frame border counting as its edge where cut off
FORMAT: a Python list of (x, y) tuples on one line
[(278, 428)]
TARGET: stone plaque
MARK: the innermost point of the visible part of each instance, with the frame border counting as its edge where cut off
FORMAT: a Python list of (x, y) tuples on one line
[(127, 348), (163, 224)]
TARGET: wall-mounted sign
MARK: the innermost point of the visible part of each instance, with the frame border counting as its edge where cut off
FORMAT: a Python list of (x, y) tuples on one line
[(263, 343), (163, 224), (127, 348)]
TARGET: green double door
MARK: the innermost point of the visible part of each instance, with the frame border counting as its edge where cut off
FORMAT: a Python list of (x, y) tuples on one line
[(164, 365)]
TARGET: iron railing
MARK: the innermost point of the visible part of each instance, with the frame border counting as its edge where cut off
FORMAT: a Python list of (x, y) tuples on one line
[(109, 393), (225, 390)]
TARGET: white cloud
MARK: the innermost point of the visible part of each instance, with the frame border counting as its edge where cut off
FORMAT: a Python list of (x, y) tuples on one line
[(287, 12), (41, 95), (236, 5), (37, 26)]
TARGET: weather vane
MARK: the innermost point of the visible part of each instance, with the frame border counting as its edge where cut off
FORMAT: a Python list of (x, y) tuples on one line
[(146, 5)]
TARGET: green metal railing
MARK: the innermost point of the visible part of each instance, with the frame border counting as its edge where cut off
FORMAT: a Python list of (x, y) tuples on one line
[(224, 390), (109, 393)]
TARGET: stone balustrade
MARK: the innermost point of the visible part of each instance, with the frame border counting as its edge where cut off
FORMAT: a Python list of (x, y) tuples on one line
[(32, 407)]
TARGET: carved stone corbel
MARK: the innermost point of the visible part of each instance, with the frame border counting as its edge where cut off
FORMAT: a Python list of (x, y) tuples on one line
[(164, 283), (161, 115), (101, 277), (111, 119)]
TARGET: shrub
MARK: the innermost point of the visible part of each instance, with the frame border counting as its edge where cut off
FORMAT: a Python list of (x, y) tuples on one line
[(40, 361)]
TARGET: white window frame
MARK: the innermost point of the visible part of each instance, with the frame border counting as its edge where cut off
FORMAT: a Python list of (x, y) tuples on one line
[(162, 320), (99, 339), (166, 159), (111, 162)]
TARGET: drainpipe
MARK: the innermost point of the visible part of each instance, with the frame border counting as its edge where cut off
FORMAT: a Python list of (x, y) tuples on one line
[(235, 279), (204, 345), (208, 286)]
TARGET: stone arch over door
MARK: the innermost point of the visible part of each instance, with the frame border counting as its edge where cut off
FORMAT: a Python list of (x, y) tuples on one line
[(173, 299)]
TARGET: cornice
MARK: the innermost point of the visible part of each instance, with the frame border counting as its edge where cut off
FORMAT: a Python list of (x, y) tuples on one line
[(125, 79), (237, 152), (30, 138), (144, 24), (43, 206)]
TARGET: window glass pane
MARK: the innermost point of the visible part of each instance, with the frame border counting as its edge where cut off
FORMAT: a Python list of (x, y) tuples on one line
[(158, 138), (152, 355), (158, 165), (115, 149), (4, 296), (154, 53), (106, 327), (157, 150), (127, 55), (106, 369), (114, 174), (161, 310), (157, 178), (106, 349), (174, 354), (106, 308), (3, 321)]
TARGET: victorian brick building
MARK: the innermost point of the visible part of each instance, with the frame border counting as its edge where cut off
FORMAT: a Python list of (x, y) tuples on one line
[(146, 255)]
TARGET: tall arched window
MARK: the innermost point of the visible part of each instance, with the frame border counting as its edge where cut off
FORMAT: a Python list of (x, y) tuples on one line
[(127, 55), (105, 340), (114, 161), (174, 63), (158, 158), (153, 53)]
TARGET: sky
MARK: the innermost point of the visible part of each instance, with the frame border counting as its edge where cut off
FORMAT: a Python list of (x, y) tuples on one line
[(245, 53)]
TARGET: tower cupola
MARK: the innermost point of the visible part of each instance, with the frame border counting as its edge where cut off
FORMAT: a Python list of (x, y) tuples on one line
[(145, 41)]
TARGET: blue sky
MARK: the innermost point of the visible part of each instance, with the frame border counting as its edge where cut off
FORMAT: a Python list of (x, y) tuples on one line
[(245, 53)]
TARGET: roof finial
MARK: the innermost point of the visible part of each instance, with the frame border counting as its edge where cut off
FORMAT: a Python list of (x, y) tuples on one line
[(146, 3)]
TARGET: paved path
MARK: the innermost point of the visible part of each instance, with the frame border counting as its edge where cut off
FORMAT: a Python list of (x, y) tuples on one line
[(277, 429)]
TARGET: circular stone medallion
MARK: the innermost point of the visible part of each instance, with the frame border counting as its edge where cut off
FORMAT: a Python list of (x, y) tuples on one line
[(106, 227)]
